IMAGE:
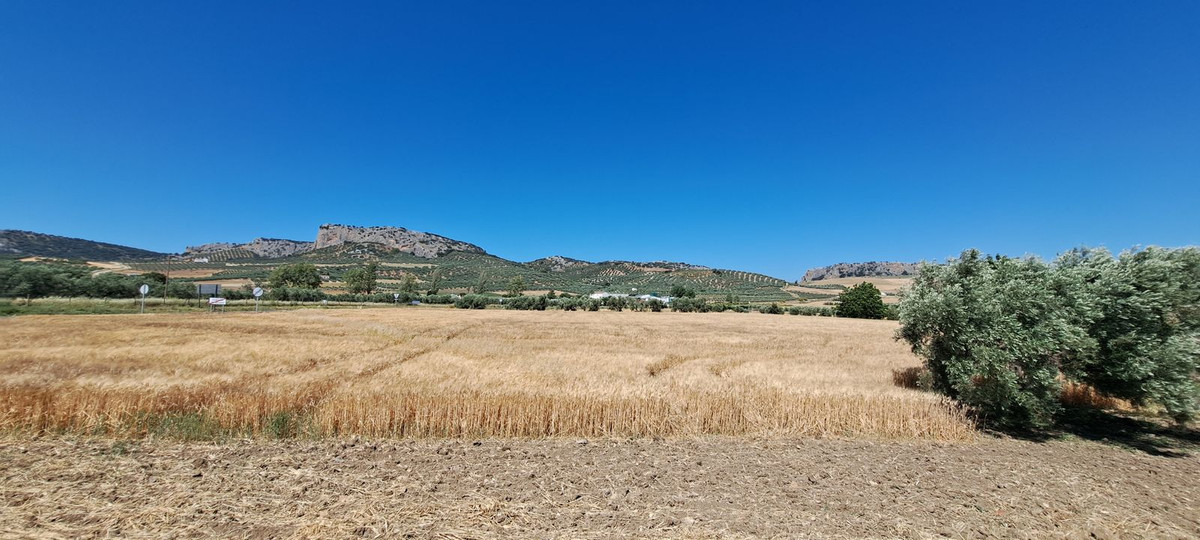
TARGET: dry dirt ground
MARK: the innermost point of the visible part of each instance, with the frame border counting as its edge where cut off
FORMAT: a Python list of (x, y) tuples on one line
[(566, 488)]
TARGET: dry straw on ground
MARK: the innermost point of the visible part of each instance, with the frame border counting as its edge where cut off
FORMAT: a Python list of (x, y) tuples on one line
[(403, 372)]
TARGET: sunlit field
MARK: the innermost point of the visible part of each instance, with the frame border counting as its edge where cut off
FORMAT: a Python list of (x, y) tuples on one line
[(421, 372)]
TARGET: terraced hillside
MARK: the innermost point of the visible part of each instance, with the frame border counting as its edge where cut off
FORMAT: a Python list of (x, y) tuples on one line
[(459, 271), (439, 262)]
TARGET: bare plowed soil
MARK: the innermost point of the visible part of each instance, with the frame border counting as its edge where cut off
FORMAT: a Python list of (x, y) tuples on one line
[(709, 487)]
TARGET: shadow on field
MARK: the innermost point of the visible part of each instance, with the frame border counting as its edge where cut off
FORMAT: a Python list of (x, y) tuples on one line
[(1084, 416), (1145, 435)]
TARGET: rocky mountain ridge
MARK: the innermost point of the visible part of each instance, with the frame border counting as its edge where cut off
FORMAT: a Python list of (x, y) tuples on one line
[(421, 244), (863, 269), (27, 243), (262, 247), (557, 263), (385, 240)]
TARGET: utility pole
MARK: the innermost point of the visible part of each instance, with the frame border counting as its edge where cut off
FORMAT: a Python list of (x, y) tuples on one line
[(167, 280)]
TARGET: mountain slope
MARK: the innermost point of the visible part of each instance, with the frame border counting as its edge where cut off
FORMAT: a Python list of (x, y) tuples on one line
[(421, 244), (48, 245), (261, 247), (435, 261)]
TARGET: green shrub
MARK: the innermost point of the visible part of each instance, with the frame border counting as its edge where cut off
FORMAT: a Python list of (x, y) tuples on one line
[(772, 309), (294, 294), (615, 303), (538, 303), (862, 301), (474, 301), (681, 291), (687, 305)]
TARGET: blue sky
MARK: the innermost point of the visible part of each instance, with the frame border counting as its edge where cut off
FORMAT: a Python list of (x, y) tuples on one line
[(761, 136)]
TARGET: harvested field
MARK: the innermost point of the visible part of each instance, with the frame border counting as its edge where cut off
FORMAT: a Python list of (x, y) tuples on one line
[(227, 283), (195, 272), (413, 372), (884, 284), (712, 487)]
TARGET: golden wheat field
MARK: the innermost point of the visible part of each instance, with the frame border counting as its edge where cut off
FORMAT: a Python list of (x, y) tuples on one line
[(427, 372)]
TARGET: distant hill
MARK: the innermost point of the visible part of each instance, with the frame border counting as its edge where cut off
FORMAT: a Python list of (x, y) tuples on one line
[(260, 247), (421, 244), (863, 269), (26, 243), (556, 263), (455, 266)]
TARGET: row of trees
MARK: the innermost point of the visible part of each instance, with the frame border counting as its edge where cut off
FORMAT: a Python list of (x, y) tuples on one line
[(38, 280), (301, 283), (616, 303), (359, 280), (364, 279), (1003, 335)]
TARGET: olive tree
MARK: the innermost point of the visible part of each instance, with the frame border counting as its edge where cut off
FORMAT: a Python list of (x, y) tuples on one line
[(516, 286), (302, 275), (1143, 312), (999, 334), (993, 334), (361, 279)]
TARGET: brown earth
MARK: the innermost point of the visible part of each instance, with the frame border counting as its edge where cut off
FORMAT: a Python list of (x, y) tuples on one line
[(884, 284), (563, 488), (196, 273)]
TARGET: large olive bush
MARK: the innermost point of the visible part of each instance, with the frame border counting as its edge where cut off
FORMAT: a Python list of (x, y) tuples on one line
[(1001, 334)]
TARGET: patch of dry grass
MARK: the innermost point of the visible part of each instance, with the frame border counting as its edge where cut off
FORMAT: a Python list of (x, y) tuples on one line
[(1082, 395), (884, 284), (453, 373)]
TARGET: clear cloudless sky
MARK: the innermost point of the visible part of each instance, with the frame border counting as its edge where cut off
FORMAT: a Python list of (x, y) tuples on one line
[(768, 137)]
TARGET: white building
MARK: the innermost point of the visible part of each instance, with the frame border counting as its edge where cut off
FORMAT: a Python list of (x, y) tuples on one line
[(643, 297), (603, 295)]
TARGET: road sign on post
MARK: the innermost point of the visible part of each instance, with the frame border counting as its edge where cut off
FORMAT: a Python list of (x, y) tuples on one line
[(257, 294), (396, 298), (206, 289), (143, 289)]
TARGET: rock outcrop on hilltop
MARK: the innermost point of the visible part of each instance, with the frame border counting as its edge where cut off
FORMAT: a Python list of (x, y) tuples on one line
[(863, 269), (262, 247), (421, 244), (212, 247), (277, 247), (557, 263)]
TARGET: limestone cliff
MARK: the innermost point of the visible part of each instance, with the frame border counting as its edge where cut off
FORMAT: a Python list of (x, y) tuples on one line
[(864, 269), (421, 244)]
